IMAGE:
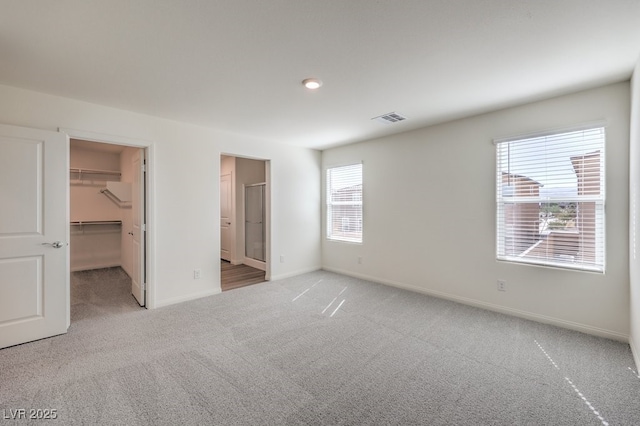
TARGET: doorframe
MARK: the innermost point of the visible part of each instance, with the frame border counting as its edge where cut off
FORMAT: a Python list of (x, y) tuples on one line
[(150, 235), (232, 194), (267, 181)]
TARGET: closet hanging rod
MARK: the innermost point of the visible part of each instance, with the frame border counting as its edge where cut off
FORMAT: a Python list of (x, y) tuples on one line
[(94, 171), (97, 222)]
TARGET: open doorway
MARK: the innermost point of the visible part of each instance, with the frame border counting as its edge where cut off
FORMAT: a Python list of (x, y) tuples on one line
[(107, 232), (244, 221)]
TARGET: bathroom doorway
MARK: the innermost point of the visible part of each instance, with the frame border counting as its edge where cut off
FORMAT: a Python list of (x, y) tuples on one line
[(244, 221)]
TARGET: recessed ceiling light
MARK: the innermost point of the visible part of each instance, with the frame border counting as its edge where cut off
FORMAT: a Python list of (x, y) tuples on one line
[(312, 83)]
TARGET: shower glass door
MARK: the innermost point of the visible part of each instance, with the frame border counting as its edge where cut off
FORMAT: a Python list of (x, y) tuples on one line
[(254, 233)]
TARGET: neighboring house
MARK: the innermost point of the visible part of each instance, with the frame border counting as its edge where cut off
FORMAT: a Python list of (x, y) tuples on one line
[(587, 168), (575, 239), (521, 220)]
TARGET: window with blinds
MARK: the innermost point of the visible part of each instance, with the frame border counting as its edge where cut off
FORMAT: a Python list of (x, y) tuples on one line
[(344, 203), (550, 199)]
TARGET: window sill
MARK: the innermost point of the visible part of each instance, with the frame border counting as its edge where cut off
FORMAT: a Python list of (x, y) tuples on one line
[(553, 265), (343, 241)]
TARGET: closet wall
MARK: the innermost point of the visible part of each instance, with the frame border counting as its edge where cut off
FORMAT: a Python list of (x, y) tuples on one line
[(97, 220)]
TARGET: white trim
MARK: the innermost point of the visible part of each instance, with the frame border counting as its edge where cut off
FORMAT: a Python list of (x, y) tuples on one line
[(550, 132), (520, 259), (344, 240), (596, 331), (342, 164), (634, 353), (150, 230), (68, 232), (97, 266), (180, 299), (267, 219), (294, 273), (104, 138)]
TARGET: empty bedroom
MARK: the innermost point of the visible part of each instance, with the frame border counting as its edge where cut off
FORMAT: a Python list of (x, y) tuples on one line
[(345, 212)]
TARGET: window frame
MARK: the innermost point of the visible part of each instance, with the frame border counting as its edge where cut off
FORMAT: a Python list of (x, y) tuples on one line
[(599, 222), (357, 201)]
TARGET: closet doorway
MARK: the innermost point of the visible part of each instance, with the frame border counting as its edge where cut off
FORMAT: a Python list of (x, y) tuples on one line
[(244, 221), (107, 228)]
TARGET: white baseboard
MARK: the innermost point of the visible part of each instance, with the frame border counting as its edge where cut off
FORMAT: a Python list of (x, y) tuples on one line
[(94, 266), (491, 307), (293, 274), (180, 299), (634, 352)]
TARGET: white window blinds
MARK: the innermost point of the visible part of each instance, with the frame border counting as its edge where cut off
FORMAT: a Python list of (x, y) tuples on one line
[(550, 200), (344, 203)]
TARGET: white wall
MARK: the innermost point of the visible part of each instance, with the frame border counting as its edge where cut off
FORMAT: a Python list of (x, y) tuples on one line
[(186, 205), (87, 203), (429, 215), (634, 220)]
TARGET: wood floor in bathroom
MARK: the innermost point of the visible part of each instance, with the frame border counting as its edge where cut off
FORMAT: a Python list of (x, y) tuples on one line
[(236, 276)]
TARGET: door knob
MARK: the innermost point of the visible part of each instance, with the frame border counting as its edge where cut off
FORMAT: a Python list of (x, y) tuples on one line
[(55, 244)]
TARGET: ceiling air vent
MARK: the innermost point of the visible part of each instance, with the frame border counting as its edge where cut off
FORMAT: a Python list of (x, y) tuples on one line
[(392, 117)]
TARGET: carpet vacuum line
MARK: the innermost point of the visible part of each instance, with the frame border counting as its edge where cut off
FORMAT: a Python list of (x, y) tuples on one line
[(584, 399)]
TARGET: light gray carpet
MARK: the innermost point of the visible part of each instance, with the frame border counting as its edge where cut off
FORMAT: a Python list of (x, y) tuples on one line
[(101, 293), (319, 348)]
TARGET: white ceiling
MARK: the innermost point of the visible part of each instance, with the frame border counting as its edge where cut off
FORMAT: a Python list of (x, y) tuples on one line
[(236, 65)]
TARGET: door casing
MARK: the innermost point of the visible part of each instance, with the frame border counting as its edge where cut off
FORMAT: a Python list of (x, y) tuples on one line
[(149, 199)]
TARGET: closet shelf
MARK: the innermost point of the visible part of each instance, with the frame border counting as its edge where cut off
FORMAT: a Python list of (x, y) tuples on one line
[(119, 192), (96, 222), (80, 172)]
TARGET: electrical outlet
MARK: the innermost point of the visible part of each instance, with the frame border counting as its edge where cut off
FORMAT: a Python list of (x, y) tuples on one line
[(502, 285), (281, 258), (359, 260), (196, 274)]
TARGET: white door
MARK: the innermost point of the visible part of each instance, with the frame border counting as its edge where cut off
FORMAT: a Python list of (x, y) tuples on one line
[(34, 230), (138, 237), (225, 217)]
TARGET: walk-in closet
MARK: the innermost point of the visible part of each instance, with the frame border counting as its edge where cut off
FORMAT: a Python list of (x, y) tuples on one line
[(106, 196)]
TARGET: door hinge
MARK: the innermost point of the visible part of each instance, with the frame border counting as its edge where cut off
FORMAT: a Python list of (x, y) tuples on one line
[(143, 227)]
